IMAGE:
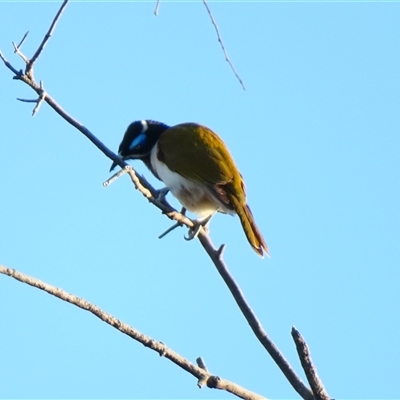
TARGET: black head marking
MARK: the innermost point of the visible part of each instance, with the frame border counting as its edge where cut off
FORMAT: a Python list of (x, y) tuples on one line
[(139, 139)]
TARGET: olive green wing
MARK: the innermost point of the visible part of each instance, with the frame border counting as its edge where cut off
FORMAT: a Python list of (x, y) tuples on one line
[(199, 154)]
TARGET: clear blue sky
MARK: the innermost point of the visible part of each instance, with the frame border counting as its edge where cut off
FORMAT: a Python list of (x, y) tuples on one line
[(317, 138)]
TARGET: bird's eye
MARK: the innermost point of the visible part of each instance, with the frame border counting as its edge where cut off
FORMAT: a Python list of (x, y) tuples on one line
[(138, 142)]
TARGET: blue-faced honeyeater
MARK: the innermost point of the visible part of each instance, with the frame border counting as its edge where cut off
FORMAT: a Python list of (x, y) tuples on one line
[(196, 166)]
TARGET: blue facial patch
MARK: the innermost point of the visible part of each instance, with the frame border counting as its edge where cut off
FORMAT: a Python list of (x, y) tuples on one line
[(138, 141)]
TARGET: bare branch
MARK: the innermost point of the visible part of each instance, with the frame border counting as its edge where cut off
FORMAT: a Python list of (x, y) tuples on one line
[(212, 381), (46, 38), (252, 319), (311, 373), (222, 44)]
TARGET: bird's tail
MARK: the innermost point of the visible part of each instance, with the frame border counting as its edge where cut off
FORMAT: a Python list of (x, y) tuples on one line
[(251, 230)]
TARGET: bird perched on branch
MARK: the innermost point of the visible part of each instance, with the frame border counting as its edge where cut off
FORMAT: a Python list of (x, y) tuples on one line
[(196, 166)]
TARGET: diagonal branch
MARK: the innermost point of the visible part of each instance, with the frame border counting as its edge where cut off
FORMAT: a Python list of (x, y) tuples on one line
[(253, 321), (46, 38), (203, 376), (309, 369)]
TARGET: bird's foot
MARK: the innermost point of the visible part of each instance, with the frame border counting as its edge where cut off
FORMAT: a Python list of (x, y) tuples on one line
[(199, 225), (176, 225)]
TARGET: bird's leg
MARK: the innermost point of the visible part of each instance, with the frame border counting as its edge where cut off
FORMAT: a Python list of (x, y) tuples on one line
[(183, 211), (199, 224)]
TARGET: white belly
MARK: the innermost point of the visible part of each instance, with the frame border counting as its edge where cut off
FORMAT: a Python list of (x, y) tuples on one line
[(195, 197)]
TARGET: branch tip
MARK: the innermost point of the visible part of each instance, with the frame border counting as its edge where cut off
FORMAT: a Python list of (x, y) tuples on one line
[(310, 371), (220, 251), (176, 225), (40, 99), (29, 63), (22, 41), (200, 362), (113, 178), (157, 8)]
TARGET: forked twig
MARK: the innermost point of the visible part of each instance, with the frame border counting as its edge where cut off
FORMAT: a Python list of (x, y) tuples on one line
[(222, 44), (38, 101), (18, 46), (19, 52)]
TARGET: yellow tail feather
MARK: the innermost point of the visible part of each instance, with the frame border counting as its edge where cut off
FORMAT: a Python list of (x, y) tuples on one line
[(250, 228)]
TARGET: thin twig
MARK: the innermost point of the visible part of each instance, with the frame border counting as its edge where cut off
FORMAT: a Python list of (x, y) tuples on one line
[(222, 44), (220, 251), (113, 178), (22, 41), (200, 362), (198, 372), (157, 8), (27, 100), (46, 38), (38, 104), (38, 101), (170, 229), (315, 382)]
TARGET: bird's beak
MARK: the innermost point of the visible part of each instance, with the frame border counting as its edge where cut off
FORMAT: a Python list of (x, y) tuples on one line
[(113, 165)]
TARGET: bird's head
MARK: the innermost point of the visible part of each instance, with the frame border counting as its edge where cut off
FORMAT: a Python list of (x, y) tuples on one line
[(139, 139)]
